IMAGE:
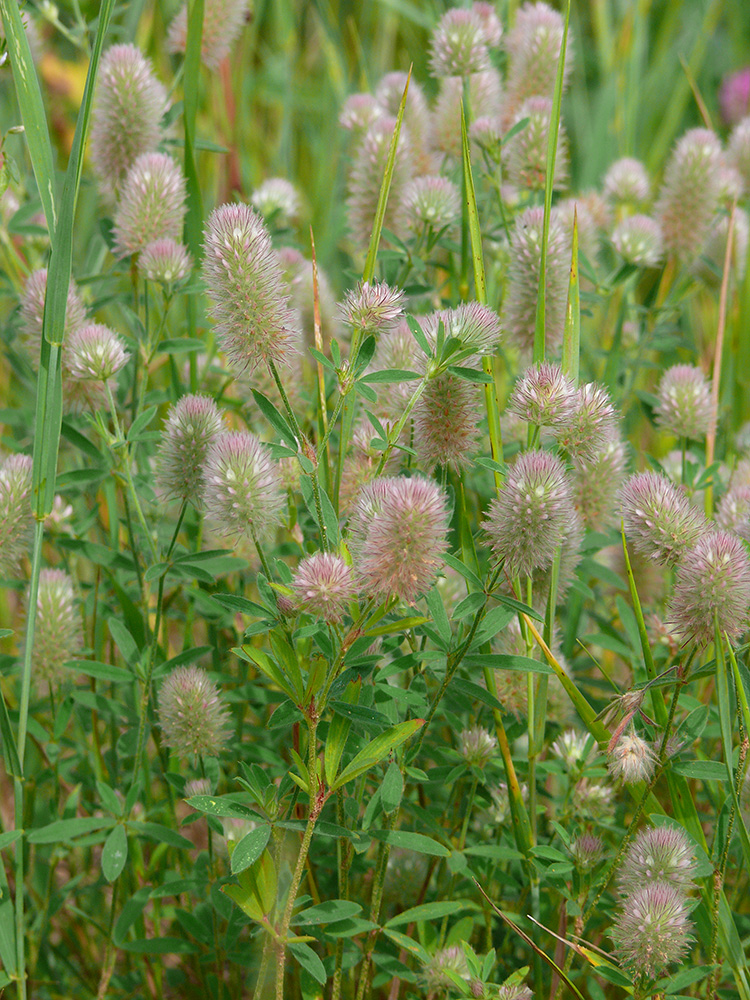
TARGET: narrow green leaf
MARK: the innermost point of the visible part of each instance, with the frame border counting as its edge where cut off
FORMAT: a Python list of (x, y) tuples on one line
[(506, 661), (33, 115), (64, 830), (309, 961), (102, 671), (390, 375), (338, 732), (10, 751), (426, 911), (221, 806), (329, 912), (275, 419), (255, 892), (266, 666), (409, 841), (376, 750), (194, 215), (571, 347), (160, 834), (392, 788), (250, 848), (377, 227), (114, 853)]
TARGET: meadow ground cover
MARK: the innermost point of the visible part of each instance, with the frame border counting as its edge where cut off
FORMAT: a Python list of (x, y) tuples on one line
[(375, 500)]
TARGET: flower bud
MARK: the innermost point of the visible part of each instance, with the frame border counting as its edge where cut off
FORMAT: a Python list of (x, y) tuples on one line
[(544, 396), (586, 851), (373, 308), (430, 203), (733, 512), (476, 746)]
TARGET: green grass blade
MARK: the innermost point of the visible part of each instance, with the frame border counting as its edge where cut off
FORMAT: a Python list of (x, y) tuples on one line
[(49, 389), (554, 129), (194, 216), (480, 290), (571, 348), (372, 251), (32, 109)]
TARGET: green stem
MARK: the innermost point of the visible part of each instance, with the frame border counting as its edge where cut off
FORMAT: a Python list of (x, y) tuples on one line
[(384, 850)]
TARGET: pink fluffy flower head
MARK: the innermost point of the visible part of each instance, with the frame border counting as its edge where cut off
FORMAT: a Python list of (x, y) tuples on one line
[(32, 313), (712, 584), (127, 113), (447, 422), (151, 205), (398, 531), (323, 586), (586, 851), (733, 512), (16, 517), (684, 406), (485, 98), (165, 261), (738, 150), (652, 930), (277, 199), (532, 514), (246, 288), (659, 519), (544, 396), (592, 425), (627, 182), (690, 191), (596, 479), (373, 308), (638, 239), (58, 636), (534, 46), (192, 426), (519, 307), (658, 852), (734, 96), (223, 21), (430, 203), (95, 353), (491, 25), (476, 326), (242, 490), (193, 720), (527, 149), (459, 45)]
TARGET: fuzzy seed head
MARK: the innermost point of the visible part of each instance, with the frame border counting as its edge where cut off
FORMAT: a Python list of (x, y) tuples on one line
[(151, 205), (323, 586), (733, 512), (458, 46), (690, 192), (593, 425), (374, 309), (684, 406), (631, 759), (366, 178), (586, 851), (519, 307), (95, 353), (192, 426), (638, 239), (627, 182), (527, 149), (58, 636), (430, 203), (165, 261), (16, 517), (532, 515), (447, 422), (246, 289), (659, 852), (659, 519), (32, 314), (534, 47), (242, 490), (713, 582), (476, 746), (398, 536), (734, 96), (193, 720), (514, 991), (544, 396), (652, 930), (223, 21), (738, 150), (278, 201), (126, 117)]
